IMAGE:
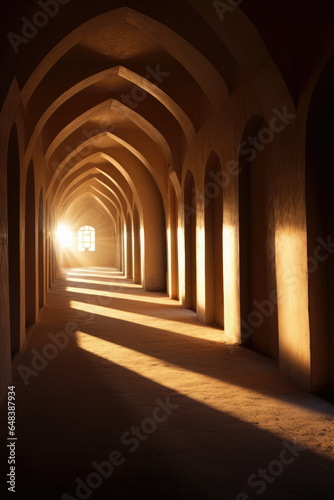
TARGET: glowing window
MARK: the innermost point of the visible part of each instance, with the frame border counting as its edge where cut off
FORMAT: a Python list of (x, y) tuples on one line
[(86, 239)]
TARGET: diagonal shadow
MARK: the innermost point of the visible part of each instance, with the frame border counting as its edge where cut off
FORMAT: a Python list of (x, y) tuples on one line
[(75, 411), (78, 409)]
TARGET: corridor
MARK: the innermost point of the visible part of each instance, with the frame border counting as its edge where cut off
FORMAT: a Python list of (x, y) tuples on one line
[(167, 250), (191, 416)]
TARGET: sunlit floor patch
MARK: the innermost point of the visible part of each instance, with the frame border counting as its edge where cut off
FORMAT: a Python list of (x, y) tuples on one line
[(105, 283), (116, 295), (179, 327), (223, 396)]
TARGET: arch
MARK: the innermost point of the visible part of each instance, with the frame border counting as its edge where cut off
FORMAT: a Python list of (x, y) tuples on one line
[(13, 195), (46, 246), (173, 246), (190, 242), (119, 243), (99, 205), (50, 258), (214, 292), (188, 56), (93, 230), (53, 246), (122, 249), (257, 246), (249, 52), (30, 247), (121, 181), (128, 246), (60, 170), (151, 208), (136, 246), (136, 79), (320, 227), (40, 250), (115, 195), (143, 125)]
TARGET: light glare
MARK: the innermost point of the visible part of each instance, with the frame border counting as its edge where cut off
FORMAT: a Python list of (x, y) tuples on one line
[(64, 236)]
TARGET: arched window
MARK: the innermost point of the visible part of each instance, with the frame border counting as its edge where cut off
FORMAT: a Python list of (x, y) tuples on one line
[(86, 239)]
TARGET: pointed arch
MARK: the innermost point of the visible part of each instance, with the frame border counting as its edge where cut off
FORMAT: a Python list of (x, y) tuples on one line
[(14, 261), (30, 248)]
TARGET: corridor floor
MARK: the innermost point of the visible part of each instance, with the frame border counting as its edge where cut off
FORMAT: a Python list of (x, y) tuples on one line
[(112, 367)]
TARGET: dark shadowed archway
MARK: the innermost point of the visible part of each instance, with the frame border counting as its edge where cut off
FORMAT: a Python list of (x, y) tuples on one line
[(136, 246), (128, 247), (30, 243), (13, 194), (190, 242), (214, 289), (259, 322), (40, 250), (173, 228), (320, 228)]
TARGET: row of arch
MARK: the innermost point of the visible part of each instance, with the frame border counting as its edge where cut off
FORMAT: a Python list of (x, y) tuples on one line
[(222, 249), (129, 245), (14, 246), (256, 239)]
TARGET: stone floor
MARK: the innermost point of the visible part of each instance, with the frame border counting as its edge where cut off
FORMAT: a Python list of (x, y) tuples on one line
[(121, 393)]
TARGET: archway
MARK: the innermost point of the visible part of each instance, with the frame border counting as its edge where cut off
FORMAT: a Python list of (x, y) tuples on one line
[(47, 247), (173, 242), (136, 246), (50, 260), (119, 243), (30, 266), (190, 242), (214, 294), (128, 246), (53, 248), (40, 251), (13, 197), (259, 322), (122, 246), (320, 229)]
